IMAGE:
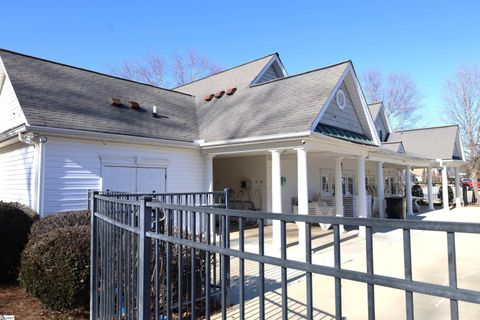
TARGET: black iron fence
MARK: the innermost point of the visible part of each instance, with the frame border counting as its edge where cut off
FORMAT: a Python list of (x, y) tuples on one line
[(150, 261)]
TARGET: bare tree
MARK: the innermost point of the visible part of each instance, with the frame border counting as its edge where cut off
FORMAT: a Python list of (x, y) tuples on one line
[(462, 105), (155, 70), (399, 95), (192, 67)]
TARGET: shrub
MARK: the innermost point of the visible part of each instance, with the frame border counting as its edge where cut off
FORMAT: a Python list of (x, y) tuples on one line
[(61, 220), (15, 222), (55, 268)]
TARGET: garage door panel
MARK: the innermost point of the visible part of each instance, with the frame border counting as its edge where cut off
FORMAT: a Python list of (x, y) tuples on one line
[(149, 179), (119, 179)]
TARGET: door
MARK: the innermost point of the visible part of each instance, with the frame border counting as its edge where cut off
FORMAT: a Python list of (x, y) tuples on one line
[(151, 179), (134, 179)]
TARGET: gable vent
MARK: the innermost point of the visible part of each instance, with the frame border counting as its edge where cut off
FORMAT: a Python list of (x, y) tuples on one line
[(116, 102), (219, 94), (231, 91), (209, 97), (134, 105), (340, 98)]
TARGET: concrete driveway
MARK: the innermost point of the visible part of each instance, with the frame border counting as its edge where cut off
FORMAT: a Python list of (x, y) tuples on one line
[(429, 260)]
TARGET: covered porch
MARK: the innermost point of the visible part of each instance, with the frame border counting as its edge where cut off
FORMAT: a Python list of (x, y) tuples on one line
[(300, 176)]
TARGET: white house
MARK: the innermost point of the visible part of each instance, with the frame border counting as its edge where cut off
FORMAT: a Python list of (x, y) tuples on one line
[(279, 141)]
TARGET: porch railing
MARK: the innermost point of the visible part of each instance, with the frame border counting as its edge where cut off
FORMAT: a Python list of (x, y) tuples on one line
[(133, 239)]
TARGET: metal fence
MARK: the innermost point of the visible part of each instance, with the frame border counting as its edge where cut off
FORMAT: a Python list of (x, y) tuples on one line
[(133, 239)]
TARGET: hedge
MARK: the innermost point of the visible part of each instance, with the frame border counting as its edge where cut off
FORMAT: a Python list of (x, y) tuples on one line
[(15, 222), (61, 220), (55, 268)]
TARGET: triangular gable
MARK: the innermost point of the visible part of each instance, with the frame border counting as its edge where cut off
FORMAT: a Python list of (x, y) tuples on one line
[(380, 120), (354, 115), (458, 148), (274, 69), (10, 110)]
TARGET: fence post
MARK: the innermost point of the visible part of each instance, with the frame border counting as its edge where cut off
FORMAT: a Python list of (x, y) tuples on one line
[(144, 254), (92, 205), (226, 244)]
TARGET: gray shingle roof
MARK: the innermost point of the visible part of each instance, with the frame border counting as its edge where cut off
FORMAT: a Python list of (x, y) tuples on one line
[(240, 77), (60, 96), (285, 105), (394, 147), (429, 143)]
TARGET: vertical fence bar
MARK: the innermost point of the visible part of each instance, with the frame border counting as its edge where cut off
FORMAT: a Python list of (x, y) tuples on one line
[(193, 263), (226, 270), (180, 263), (144, 250), (337, 265), (241, 267), (370, 287), (168, 275), (261, 269), (93, 256), (452, 273), (283, 254), (407, 261), (207, 269), (308, 260)]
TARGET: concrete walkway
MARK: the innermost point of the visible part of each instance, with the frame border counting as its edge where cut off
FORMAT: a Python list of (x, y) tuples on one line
[(429, 259)]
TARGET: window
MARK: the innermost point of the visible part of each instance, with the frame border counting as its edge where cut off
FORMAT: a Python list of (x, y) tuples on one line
[(325, 184)]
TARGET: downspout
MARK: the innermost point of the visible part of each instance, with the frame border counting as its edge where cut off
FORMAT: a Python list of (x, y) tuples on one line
[(38, 167)]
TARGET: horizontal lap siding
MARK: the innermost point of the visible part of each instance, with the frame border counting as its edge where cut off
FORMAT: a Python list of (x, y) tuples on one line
[(10, 112), (17, 174), (73, 166)]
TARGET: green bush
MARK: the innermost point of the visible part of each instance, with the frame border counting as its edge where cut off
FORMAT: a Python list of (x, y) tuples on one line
[(15, 222), (61, 220), (55, 268)]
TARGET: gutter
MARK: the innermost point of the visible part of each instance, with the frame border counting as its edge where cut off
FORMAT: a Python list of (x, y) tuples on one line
[(68, 133), (253, 140)]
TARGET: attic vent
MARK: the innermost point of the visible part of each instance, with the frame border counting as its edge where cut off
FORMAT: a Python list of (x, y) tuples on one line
[(209, 97), (340, 98), (134, 105), (219, 94), (231, 91), (116, 102)]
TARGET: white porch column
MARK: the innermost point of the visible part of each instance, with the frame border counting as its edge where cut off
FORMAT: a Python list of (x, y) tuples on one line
[(408, 190), (302, 175), (458, 199), (362, 192), (380, 190), (444, 187), (276, 197), (430, 188), (338, 188), (209, 172)]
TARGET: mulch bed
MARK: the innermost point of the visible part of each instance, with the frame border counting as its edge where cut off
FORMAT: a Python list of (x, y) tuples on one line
[(15, 301)]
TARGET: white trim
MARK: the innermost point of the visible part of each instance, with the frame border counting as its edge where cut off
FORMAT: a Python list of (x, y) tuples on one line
[(385, 117), (133, 161), (267, 66), (250, 140), (111, 137)]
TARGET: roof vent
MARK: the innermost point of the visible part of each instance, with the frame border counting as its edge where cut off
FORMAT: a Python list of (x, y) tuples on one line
[(340, 98), (219, 94), (116, 102), (231, 91), (134, 105), (209, 97)]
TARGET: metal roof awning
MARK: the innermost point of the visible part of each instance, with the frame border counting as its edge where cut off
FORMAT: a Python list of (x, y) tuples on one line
[(343, 134)]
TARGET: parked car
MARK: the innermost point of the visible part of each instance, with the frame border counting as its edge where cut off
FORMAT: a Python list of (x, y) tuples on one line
[(468, 182), (450, 195)]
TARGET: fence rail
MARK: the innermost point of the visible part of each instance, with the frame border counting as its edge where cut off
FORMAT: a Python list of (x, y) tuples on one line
[(146, 263)]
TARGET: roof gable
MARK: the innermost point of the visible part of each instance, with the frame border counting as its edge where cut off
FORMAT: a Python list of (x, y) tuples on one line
[(429, 143), (360, 116), (239, 77), (380, 119), (60, 96), (396, 147), (284, 105)]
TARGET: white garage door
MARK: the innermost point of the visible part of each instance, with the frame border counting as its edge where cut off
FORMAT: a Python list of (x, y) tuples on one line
[(134, 179)]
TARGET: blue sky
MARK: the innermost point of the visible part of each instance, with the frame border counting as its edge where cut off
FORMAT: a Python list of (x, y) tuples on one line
[(426, 39)]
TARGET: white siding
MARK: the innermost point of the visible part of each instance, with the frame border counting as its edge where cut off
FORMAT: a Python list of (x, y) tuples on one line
[(10, 112), (228, 172), (72, 166), (17, 174)]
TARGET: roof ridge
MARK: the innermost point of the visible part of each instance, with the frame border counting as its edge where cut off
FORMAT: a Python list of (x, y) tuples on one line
[(302, 73), (91, 71), (427, 128), (229, 69)]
